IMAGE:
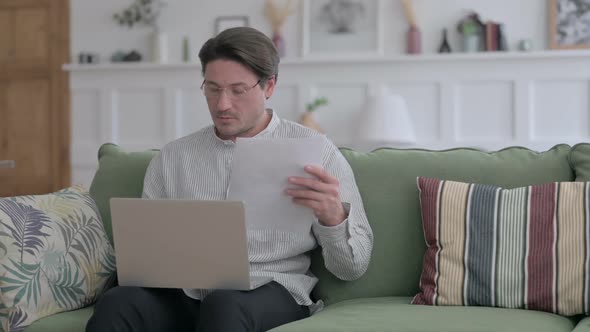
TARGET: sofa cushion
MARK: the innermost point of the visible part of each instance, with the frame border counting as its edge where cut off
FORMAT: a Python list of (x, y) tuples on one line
[(397, 314), (54, 255), (583, 325), (72, 321), (520, 248), (580, 160), (119, 174), (387, 182)]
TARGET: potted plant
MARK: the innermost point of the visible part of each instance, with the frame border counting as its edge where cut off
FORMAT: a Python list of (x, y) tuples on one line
[(147, 13), (307, 119), (472, 29)]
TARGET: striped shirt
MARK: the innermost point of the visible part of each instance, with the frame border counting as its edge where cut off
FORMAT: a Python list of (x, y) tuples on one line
[(198, 167)]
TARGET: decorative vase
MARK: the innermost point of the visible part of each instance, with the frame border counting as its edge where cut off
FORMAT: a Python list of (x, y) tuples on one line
[(414, 40), (160, 47), (277, 39), (525, 45), (503, 38), (186, 50), (471, 43), (308, 120)]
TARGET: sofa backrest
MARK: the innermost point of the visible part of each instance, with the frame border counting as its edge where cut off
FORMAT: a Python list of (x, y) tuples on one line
[(580, 161), (387, 181), (119, 174)]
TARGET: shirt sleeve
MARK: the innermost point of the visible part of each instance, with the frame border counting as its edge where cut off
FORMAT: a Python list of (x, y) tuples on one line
[(153, 182), (346, 247)]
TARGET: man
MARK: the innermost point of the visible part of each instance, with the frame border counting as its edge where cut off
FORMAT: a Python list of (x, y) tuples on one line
[(240, 69)]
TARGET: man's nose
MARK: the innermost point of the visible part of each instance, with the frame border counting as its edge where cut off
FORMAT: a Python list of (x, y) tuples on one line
[(223, 102)]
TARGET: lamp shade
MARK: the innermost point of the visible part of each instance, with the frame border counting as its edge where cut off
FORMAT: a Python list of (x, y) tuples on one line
[(386, 120)]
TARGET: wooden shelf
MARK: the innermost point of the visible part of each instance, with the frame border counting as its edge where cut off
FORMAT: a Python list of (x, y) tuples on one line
[(471, 57)]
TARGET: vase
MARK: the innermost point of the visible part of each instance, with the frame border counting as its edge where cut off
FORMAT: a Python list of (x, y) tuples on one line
[(160, 47), (471, 43), (279, 42), (525, 45), (308, 120), (414, 40), (186, 50)]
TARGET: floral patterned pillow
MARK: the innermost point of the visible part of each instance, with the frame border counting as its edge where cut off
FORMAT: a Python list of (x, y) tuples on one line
[(54, 256)]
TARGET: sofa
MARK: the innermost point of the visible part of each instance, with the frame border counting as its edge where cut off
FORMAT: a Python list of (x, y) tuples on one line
[(380, 300)]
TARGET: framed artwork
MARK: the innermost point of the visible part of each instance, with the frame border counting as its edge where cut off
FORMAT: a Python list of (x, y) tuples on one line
[(342, 27), (226, 22), (569, 24)]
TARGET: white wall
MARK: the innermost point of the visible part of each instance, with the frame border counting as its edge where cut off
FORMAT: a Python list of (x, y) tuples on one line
[(488, 101), (94, 30), (516, 95)]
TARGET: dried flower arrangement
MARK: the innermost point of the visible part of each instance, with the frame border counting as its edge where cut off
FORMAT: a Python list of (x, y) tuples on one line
[(143, 12), (278, 15), (410, 13)]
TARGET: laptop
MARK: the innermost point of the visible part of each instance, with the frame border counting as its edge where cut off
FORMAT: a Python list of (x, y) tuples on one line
[(186, 244)]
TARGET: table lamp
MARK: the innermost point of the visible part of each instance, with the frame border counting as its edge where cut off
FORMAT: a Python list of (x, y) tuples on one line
[(386, 120)]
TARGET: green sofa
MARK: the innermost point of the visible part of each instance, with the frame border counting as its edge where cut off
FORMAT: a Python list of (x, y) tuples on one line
[(380, 300)]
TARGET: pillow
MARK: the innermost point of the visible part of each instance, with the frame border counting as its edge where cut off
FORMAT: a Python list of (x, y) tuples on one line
[(580, 161), (525, 248), (54, 256), (119, 174)]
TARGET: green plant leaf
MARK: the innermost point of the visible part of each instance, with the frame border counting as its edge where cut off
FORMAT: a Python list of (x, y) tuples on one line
[(3, 312), (80, 233), (68, 289), (10, 288), (17, 319), (313, 106), (26, 226), (14, 272), (22, 277), (109, 266), (10, 280)]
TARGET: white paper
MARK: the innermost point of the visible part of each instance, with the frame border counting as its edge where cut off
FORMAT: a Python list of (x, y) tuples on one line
[(259, 177)]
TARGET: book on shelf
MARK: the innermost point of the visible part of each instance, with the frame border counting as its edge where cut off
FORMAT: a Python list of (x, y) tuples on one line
[(495, 37)]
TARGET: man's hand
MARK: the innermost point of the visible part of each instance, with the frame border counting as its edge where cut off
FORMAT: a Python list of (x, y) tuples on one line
[(321, 194)]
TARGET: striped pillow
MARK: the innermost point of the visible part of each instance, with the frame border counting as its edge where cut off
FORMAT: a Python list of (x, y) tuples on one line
[(525, 248)]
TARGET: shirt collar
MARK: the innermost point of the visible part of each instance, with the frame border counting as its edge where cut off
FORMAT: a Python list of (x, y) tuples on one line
[(272, 125)]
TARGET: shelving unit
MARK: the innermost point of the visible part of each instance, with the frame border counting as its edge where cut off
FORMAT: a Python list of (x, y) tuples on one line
[(453, 57)]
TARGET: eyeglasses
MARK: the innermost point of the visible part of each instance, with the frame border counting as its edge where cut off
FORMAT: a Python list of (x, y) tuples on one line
[(234, 92)]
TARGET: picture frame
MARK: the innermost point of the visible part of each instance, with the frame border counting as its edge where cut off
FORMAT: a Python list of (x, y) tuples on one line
[(569, 24), (342, 28), (226, 22)]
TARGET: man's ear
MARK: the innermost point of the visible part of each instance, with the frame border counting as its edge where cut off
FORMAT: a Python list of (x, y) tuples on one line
[(269, 87)]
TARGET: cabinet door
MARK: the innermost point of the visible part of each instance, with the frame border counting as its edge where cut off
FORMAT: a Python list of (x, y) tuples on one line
[(26, 138), (31, 48), (3, 126), (34, 93), (7, 51)]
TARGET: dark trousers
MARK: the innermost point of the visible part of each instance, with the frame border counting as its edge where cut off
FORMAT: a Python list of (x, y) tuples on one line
[(155, 309)]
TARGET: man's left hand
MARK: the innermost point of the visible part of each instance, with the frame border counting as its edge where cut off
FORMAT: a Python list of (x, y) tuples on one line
[(321, 194)]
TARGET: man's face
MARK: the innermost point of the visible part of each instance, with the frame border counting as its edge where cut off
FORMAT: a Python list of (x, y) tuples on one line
[(235, 99)]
